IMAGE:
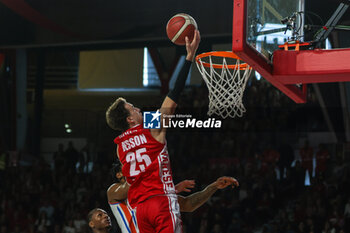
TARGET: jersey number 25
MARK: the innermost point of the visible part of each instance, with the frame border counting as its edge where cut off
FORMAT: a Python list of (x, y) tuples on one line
[(138, 159)]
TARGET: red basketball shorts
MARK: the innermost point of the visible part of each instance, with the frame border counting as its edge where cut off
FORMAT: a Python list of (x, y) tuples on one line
[(159, 214)]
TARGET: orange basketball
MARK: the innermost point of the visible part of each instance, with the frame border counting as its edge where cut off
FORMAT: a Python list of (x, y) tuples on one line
[(180, 26)]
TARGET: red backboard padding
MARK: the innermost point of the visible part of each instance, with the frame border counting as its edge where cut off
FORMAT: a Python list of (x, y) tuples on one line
[(289, 67)]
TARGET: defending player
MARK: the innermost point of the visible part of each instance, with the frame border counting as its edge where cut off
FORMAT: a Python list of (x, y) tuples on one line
[(122, 212), (126, 216), (99, 221), (145, 159)]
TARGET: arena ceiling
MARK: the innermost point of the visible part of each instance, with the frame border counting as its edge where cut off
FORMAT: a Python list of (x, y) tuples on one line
[(35, 23)]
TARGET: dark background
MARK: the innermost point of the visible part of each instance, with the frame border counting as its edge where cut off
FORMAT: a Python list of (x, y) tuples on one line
[(45, 38)]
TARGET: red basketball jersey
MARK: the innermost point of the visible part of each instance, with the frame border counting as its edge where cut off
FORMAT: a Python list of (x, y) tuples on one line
[(146, 165)]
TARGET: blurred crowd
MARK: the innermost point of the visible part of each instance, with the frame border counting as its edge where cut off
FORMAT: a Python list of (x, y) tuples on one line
[(277, 193), (282, 188), (55, 197)]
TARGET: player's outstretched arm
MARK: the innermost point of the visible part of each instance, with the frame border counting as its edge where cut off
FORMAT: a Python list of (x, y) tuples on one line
[(117, 192), (170, 102), (192, 202)]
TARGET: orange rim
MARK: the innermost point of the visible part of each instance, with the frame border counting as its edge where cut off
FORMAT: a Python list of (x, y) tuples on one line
[(242, 66)]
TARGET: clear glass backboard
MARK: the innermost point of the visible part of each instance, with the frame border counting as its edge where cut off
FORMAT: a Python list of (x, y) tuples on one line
[(261, 26), (265, 31)]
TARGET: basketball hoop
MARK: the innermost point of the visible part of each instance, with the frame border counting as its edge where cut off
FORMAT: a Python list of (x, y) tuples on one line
[(226, 82)]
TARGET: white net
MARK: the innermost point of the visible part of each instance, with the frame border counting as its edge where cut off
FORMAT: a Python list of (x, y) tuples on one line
[(226, 85)]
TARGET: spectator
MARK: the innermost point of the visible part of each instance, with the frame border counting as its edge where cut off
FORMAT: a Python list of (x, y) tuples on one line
[(48, 209), (81, 191), (42, 223), (269, 159), (322, 157), (18, 230), (30, 223), (79, 222), (235, 225), (71, 156), (336, 220), (58, 157), (298, 176), (286, 158), (69, 227), (3, 228), (347, 209), (217, 228), (306, 155), (327, 228), (57, 229), (299, 214), (3, 162), (58, 215), (301, 228)]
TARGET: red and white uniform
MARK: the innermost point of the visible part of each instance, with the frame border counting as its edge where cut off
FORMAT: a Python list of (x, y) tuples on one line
[(146, 166)]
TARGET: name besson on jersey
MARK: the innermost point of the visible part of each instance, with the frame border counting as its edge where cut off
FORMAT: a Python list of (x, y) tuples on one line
[(146, 164)]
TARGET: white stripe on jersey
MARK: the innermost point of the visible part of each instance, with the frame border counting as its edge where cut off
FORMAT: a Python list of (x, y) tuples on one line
[(164, 159), (172, 198), (175, 213), (171, 213), (160, 172)]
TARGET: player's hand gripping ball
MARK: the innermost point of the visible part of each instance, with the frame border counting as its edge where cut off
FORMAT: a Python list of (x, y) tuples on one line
[(180, 26)]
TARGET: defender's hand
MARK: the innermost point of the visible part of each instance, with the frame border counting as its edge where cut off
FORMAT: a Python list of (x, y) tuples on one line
[(225, 181), (185, 186)]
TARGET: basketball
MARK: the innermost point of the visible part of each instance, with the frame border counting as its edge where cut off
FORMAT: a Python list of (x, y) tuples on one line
[(180, 26)]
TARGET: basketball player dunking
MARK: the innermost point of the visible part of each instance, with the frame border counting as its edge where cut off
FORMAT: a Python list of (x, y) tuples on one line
[(145, 159), (125, 216)]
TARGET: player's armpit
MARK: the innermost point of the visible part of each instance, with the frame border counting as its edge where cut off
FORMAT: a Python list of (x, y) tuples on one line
[(118, 192)]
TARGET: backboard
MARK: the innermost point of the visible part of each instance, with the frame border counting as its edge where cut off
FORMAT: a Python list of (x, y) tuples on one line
[(267, 21), (259, 27)]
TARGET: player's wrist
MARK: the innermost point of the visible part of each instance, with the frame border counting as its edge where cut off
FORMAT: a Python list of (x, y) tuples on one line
[(214, 186), (190, 57)]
